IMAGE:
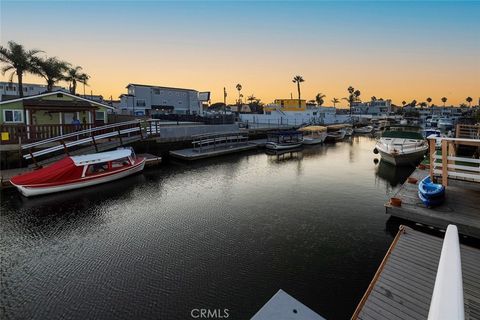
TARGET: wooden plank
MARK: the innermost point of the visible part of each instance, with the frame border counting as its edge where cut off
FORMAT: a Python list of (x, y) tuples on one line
[(405, 284)]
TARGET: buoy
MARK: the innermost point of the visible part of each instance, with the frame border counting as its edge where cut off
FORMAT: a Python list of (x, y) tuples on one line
[(375, 160), (375, 150)]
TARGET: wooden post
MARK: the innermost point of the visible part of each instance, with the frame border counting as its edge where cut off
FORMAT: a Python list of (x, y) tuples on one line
[(94, 142), (141, 132), (120, 136), (432, 158), (64, 147), (444, 162), (33, 158)]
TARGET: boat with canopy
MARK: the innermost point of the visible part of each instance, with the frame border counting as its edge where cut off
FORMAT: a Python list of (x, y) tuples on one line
[(79, 171), (314, 134)]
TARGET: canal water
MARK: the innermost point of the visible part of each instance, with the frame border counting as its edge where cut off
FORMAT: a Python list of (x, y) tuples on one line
[(224, 233)]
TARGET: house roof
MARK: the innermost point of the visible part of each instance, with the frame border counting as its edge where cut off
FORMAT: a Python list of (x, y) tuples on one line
[(46, 94), (160, 87)]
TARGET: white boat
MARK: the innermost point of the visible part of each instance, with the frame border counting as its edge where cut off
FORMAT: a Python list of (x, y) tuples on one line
[(366, 129), (336, 132), (314, 134), (348, 130), (78, 172), (284, 140), (401, 145), (445, 124)]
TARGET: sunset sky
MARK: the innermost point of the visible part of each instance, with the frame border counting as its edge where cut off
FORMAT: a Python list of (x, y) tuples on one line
[(398, 50)]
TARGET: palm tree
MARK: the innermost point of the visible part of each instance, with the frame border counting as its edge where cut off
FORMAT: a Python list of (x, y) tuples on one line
[(251, 98), (52, 69), (469, 100), (404, 103), (353, 96), (239, 88), (429, 100), (444, 100), (373, 98), (335, 101), (319, 98), (18, 60), (298, 80), (75, 75)]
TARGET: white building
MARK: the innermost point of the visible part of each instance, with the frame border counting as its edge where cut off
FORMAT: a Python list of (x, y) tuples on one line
[(9, 90), (146, 100), (374, 108)]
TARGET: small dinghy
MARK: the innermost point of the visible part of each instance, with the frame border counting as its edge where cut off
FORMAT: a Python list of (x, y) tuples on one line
[(431, 194)]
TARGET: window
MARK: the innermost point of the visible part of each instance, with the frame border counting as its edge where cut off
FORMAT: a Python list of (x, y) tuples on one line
[(1, 87), (156, 91), (100, 115), (120, 163), (141, 103), (96, 168), (59, 95), (13, 116), (179, 102)]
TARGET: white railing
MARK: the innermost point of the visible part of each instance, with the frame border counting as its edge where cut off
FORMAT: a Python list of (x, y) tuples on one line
[(449, 165), (447, 298)]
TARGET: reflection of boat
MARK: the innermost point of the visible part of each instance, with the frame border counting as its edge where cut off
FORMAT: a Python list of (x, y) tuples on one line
[(392, 174), (431, 194), (313, 134), (284, 140), (79, 172), (366, 129), (401, 145), (336, 132)]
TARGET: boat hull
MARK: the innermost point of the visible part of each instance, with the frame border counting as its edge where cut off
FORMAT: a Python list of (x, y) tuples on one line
[(317, 140), (336, 135), (30, 191), (367, 129), (402, 159), (282, 146)]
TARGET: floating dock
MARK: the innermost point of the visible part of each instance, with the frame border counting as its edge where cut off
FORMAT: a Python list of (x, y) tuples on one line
[(217, 144), (461, 206), (403, 284)]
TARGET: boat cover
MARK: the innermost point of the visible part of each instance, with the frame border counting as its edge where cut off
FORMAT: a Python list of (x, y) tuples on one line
[(63, 170)]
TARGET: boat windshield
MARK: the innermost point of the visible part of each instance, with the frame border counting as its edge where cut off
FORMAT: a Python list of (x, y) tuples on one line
[(415, 135), (96, 168), (120, 163)]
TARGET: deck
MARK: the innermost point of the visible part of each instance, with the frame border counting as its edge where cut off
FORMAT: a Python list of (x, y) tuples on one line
[(461, 206), (403, 285), (191, 154)]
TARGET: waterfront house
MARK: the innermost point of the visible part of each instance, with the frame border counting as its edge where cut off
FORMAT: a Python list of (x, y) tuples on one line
[(49, 114), (147, 100), (9, 90)]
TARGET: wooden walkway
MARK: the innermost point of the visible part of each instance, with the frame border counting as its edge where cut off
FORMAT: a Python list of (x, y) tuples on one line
[(461, 206), (403, 285)]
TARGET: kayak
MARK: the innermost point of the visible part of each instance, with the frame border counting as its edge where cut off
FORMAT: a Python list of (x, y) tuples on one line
[(431, 194)]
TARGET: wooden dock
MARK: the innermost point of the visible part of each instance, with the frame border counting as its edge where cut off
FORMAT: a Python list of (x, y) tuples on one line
[(403, 284), (461, 206), (191, 154)]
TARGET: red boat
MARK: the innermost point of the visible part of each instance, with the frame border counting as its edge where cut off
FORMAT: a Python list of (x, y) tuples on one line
[(79, 172)]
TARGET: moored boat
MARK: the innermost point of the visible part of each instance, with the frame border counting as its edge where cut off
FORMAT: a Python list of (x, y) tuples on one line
[(314, 134), (401, 145), (78, 172), (365, 129), (284, 140), (336, 132)]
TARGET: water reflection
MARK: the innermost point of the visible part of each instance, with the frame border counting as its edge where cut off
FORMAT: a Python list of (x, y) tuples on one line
[(227, 232), (394, 175)]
